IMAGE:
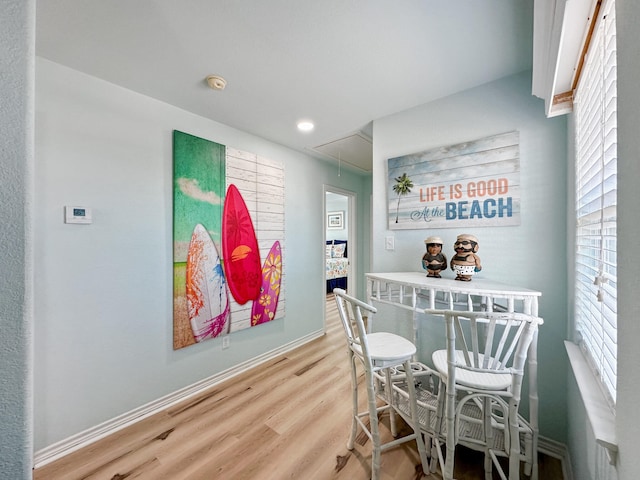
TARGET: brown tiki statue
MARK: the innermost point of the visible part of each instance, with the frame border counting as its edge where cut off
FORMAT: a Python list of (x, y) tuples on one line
[(434, 260), (465, 263)]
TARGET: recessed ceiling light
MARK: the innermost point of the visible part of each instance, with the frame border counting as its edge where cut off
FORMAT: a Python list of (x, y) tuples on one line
[(305, 126), (216, 82)]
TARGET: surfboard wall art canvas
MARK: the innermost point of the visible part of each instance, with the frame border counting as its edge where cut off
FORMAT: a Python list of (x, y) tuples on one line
[(206, 288), (203, 171)]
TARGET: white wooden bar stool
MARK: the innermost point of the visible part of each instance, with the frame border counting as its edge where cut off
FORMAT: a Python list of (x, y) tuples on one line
[(378, 352), (483, 368)]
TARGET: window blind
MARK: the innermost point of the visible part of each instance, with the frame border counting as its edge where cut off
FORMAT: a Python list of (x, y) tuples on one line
[(596, 201)]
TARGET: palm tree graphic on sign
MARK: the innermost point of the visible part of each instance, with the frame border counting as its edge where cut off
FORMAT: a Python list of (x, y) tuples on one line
[(402, 187)]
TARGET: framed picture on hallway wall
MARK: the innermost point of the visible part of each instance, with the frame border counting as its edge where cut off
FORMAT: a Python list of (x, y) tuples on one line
[(335, 220)]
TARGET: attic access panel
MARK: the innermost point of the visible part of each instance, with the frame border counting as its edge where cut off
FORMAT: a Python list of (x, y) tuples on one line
[(355, 150)]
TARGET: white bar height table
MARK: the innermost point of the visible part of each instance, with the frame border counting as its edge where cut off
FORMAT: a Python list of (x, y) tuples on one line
[(402, 289)]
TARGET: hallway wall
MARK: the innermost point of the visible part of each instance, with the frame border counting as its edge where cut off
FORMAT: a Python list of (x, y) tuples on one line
[(103, 292)]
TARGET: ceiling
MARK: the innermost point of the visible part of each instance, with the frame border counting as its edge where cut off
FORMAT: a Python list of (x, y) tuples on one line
[(340, 63)]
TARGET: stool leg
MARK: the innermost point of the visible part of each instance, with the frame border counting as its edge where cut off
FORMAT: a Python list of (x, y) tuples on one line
[(528, 454), (450, 394), (411, 386), (514, 449), (354, 395), (388, 392), (488, 432), (373, 424)]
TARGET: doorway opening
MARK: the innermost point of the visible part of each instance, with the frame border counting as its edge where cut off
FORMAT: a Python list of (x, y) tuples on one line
[(340, 243)]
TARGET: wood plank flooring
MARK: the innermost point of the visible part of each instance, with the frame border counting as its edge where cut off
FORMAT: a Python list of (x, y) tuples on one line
[(286, 419)]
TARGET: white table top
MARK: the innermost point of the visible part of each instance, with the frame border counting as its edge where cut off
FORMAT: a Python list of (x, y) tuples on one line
[(477, 286)]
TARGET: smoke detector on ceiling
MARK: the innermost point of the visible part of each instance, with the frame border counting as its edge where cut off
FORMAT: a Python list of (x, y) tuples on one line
[(216, 82)]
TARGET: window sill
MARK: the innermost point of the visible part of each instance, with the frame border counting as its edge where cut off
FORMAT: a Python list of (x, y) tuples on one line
[(602, 419)]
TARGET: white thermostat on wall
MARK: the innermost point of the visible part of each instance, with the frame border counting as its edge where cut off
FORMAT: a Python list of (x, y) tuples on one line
[(77, 215)]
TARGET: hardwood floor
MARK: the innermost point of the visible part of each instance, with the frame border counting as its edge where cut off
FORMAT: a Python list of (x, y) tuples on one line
[(286, 419)]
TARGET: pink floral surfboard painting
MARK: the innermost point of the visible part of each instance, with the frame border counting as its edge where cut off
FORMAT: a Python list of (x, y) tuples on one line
[(265, 306)]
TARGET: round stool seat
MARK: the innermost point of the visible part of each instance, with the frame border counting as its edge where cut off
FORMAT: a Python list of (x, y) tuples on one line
[(388, 347), (500, 380)]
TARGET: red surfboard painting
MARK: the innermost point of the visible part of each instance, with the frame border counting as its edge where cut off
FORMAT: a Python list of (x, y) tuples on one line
[(264, 307), (240, 252)]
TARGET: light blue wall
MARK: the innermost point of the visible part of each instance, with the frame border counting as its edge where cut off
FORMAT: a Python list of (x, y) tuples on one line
[(531, 255), (17, 24), (103, 308)]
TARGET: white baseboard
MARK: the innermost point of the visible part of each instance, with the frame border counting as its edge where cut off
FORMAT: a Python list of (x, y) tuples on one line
[(557, 450), (93, 434)]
